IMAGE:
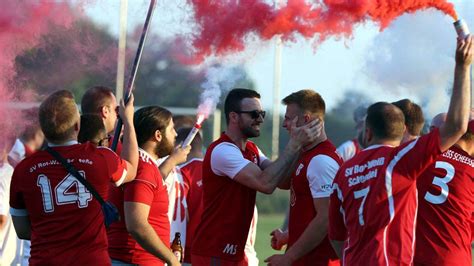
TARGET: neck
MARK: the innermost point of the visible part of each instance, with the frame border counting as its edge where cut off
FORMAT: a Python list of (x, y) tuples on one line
[(64, 142), (315, 143), (237, 137), (149, 147), (466, 146), (393, 143), (408, 137), (30, 144)]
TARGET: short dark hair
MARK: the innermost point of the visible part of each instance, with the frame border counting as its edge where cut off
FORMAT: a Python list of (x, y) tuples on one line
[(386, 121), (149, 119), (58, 115), (414, 119), (91, 128), (234, 99), (308, 101), (95, 98), (183, 132), (32, 127)]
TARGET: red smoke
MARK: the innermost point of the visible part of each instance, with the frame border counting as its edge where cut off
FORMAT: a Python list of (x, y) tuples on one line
[(224, 25), (21, 25)]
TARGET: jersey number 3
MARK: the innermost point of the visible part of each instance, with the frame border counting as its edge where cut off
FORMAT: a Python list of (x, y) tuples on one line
[(68, 191), (441, 182)]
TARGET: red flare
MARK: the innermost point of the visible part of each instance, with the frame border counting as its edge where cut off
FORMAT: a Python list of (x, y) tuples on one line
[(224, 26)]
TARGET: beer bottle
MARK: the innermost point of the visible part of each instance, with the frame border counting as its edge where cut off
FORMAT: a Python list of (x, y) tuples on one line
[(177, 248)]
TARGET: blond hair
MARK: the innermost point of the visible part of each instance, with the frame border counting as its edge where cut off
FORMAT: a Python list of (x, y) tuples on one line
[(58, 115)]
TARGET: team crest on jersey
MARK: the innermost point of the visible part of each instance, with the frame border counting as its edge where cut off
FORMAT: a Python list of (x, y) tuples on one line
[(255, 159), (298, 170)]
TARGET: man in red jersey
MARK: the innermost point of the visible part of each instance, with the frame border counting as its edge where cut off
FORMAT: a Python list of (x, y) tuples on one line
[(192, 175), (414, 120), (50, 206), (234, 169), (446, 203), (101, 101), (310, 187), (144, 236), (373, 208), (30, 140), (350, 148)]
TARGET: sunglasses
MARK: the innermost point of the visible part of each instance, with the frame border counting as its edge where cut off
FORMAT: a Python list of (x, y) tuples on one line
[(254, 114)]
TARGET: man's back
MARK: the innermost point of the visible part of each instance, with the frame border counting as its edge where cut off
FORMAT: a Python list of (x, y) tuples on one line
[(446, 203), (67, 222), (375, 202)]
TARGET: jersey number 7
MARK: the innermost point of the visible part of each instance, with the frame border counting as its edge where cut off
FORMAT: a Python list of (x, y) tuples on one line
[(361, 194)]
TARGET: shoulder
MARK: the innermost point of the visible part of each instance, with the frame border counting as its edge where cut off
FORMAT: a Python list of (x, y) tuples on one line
[(225, 148)]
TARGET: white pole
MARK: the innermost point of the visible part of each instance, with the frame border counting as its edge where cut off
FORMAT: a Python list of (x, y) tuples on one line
[(276, 93), (121, 49)]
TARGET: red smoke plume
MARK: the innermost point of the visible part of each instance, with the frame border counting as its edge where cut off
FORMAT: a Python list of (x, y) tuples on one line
[(21, 25), (224, 25)]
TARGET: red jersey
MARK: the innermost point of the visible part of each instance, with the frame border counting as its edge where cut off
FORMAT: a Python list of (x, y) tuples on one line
[(147, 188), (67, 224), (312, 179), (192, 175), (374, 204), (228, 205), (446, 203)]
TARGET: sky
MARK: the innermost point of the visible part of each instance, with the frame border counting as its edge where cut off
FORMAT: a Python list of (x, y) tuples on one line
[(412, 58)]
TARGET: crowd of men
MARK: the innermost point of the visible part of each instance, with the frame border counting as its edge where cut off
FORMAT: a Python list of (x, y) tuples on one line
[(391, 196)]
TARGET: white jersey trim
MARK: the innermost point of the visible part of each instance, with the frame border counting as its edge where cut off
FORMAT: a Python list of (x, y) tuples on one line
[(340, 197), (122, 178), (18, 212), (190, 161), (388, 187)]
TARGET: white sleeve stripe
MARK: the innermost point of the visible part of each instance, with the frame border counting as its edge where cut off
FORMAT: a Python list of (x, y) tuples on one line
[(320, 195), (18, 212), (122, 178)]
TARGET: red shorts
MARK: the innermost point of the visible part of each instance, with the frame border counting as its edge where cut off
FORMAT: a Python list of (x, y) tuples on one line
[(212, 261)]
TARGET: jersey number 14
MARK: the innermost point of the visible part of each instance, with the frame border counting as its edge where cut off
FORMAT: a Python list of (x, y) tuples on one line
[(64, 192)]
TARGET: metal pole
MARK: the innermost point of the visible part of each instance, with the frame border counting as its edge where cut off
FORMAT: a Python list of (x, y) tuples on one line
[(276, 93), (133, 74), (121, 49)]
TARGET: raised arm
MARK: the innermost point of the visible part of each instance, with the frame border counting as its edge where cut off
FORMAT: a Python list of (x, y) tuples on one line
[(130, 145), (459, 106)]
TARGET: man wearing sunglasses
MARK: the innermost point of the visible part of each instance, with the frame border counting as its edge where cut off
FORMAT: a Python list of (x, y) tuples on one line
[(310, 186), (234, 169)]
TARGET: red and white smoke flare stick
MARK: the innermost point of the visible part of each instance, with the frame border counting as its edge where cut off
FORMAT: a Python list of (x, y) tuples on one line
[(461, 28), (194, 131)]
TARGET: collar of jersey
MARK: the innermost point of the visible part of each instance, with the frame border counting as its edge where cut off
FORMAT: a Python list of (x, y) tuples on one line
[(67, 143), (157, 164), (375, 146)]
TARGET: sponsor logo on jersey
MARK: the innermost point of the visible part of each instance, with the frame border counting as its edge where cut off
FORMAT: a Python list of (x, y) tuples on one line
[(299, 168), (230, 249)]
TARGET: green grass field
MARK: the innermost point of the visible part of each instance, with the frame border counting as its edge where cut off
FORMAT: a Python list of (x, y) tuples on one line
[(266, 224)]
